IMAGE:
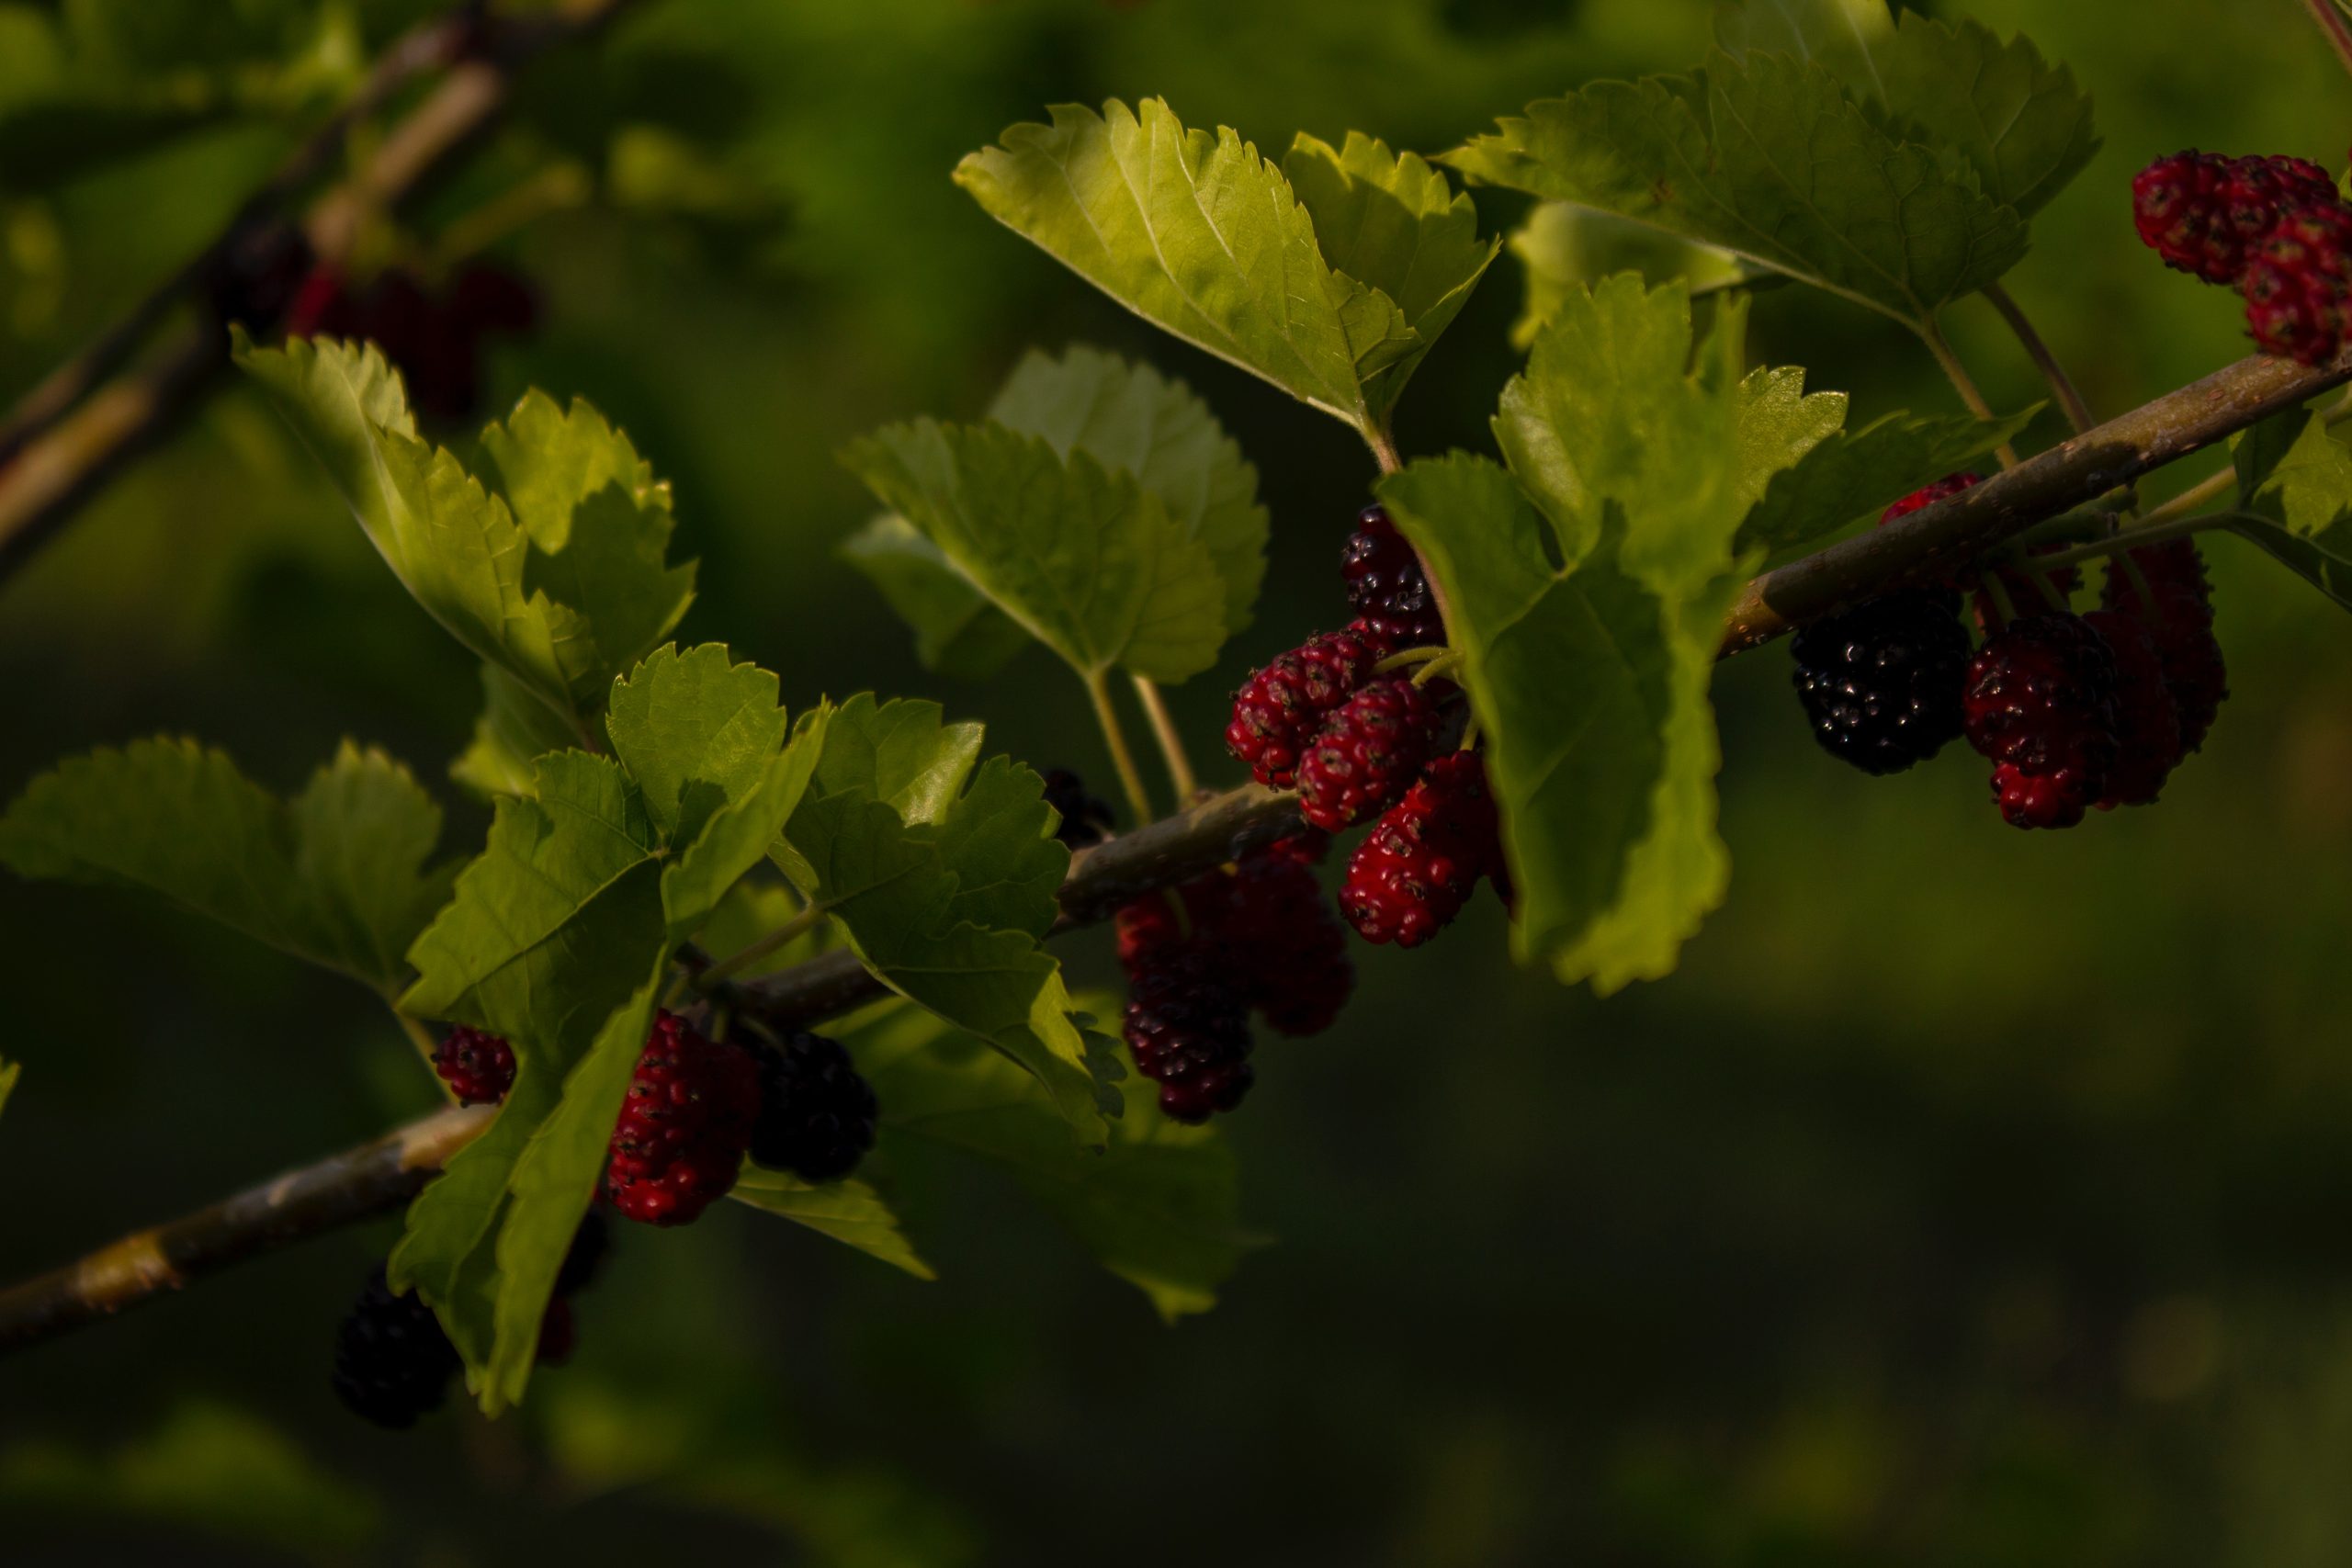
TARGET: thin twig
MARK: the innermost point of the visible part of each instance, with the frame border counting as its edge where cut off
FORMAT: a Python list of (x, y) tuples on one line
[(1965, 385), (1115, 739), (77, 430), (2078, 413), (1172, 740), (2331, 22)]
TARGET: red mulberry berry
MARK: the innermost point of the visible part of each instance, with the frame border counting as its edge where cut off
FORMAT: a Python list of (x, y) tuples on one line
[(1943, 489), (1387, 586), (2147, 721), (1366, 753), (478, 1068), (816, 1113), (684, 1128), (2040, 706), (2297, 282), (392, 1362), (2181, 621), (1420, 862), (1282, 705), (1881, 681), (2204, 213), (1291, 948), (1189, 1032)]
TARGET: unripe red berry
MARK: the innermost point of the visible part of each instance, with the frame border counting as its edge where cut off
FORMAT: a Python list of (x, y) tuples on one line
[(2177, 610), (1280, 707), (2205, 214), (478, 1068), (2298, 280), (2040, 705), (1420, 862), (2147, 721), (1366, 753), (684, 1128)]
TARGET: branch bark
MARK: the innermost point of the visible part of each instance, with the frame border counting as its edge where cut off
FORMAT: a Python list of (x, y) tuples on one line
[(75, 430)]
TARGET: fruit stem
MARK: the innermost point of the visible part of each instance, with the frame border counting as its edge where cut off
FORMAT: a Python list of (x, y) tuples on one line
[(1098, 690), (1470, 735), (1171, 743), (421, 1038), (1999, 592), (2155, 530), (1957, 374), (1442, 665), (1384, 446), (1410, 655), (2078, 413), (2331, 22), (743, 958)]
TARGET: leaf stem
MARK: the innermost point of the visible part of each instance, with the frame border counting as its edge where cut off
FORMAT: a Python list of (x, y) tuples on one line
[(1410, 656), (1171, 743), (1098, 690), (2078, 413), (1957, 374), (2331, 22), (421, 1038), (743, 958), (2151, 532), (1384, 447)]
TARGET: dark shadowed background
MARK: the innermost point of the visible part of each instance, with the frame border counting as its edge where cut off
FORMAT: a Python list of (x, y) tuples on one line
[(1968, 1197)]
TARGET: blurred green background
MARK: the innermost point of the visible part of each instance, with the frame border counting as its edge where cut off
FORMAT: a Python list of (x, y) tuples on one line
[(1968, 1197)]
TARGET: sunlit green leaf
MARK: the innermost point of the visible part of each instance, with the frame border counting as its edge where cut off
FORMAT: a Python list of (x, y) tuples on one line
[(2022, 123), (2301, 500), (850, 1212), (957, 631), (1852, 475), (515, 729)]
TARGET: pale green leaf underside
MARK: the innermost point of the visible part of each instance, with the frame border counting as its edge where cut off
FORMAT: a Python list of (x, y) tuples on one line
[(1770, 158), (338, 876), (1198, 233), (515, 731), (957, 631), (1561, 245), (1090, 562)]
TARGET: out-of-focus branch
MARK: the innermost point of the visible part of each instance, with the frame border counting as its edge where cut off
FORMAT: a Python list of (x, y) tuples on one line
[(77, 429)]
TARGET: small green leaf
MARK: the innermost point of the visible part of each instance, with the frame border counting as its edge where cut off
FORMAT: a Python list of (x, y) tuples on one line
[(2022, 123), (2300, 501), (1393, 224), (850, 1212), (1589, 629), (1131, 419), (957, 631), (1090, 562), (515, 729), (902, 752), (1156, 1207), (694, 730), (560, 583), (1844, 35), (1562, 246), (338, 876), (1767, 157), (1780, 421), (1198, 233), (1852, 475)]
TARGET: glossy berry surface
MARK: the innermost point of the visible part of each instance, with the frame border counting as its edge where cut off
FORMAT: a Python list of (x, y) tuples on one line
[(1387, 587), (478, 1068), (684, 1127), (2178, 611), (1085, 819), (2298, 281), (1286, 939), (1880, 682), (1366, 753), (1282, 705), (2147, 721), (1188, 1030), (816, 1113), (392, 1362), (2040, 705), (1411, 875)]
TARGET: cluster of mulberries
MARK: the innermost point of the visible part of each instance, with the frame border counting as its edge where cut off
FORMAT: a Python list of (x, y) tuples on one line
[(2072, 711), (2275, 229)]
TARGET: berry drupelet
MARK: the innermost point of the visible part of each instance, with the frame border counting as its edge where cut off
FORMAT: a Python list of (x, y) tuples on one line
[(2040, 706), (1420, 862), (2179, 613), (684, 1128), (1188, 1030), (1366, 753), (1881, 681), (816, 1113)]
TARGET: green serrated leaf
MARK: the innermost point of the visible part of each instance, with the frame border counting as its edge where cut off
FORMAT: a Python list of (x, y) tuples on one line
[(1090, 562), (850, 1212), (957, 631), (339, 876), (694, 730), (1198, 233), (902, 752), (1770, 158), (2022, 124), (1780, 421), (2300, 501), (1157, 1207), (1562, 246), (1393, 224), (1588, 626), (1844, 35), (1852, 475), (1131, 419), (560, 583), (515, 729)]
